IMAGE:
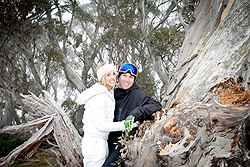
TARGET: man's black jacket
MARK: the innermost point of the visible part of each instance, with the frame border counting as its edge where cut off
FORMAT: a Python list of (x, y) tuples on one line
[(132, 102)]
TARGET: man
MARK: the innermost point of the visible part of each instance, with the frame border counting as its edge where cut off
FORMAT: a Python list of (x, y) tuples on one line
[(129, 100)]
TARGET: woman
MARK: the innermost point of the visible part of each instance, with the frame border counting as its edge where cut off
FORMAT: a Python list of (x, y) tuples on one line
[(98, 117)]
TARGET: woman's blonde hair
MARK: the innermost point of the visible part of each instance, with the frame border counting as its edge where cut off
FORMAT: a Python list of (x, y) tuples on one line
[(103, 70)]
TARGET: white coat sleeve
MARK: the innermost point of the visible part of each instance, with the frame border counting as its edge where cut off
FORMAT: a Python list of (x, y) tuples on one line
[(100, 122), (110, 126)]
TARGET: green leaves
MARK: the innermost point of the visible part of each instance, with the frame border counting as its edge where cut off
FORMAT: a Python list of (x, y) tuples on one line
[(69, 105), (165, 40), (54, 55), (84, 15)]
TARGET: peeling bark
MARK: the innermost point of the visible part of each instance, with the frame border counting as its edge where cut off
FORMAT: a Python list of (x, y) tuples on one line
[(222, 51), (193, 135), (54, 122), (208, 99)]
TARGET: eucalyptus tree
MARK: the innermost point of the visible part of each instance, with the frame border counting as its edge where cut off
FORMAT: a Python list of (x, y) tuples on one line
[(31, 58), (207, 100), (18, 25), (128, 30)]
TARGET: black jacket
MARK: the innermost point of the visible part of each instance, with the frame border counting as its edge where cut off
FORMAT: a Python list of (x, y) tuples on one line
[(132, 102), (128, 102)]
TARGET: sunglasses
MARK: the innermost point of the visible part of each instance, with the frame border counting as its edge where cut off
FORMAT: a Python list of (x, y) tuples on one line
[(128, 68)]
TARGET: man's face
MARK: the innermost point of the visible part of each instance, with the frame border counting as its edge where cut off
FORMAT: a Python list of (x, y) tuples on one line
[(126, 80)]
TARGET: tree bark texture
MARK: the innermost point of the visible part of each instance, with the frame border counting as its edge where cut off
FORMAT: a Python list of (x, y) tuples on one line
[(50, 120), (208, 99), (216, 47), (193, 135)]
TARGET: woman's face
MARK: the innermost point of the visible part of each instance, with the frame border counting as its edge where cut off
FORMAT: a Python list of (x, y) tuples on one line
[(110, 79), (126, 80)]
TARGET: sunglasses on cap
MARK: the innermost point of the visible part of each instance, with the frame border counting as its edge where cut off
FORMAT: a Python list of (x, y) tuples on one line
[(128, 68)]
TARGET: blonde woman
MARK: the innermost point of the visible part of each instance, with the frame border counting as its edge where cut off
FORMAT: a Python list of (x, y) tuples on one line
[(98, 117)]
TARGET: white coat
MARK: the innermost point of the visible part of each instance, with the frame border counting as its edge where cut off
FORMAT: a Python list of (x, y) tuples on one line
[(97, 123)]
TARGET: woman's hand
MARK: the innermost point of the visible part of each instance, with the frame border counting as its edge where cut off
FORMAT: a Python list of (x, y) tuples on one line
[(130, 124)]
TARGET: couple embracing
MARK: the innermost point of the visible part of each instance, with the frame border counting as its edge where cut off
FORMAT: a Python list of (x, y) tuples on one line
[(111, 109)]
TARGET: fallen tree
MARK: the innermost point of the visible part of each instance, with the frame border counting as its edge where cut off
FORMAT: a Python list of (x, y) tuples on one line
[(53, 122)]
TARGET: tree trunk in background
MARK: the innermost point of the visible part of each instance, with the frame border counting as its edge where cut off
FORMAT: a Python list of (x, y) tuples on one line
[(216, 47), (8, 114), (72, 76)]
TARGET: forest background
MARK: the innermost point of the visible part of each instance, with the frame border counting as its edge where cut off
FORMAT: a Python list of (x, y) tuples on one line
[(57, 45)]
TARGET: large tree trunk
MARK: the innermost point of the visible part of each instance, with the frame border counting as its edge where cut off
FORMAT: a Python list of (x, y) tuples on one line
[(193, 135), (207, 99), (216, 47)]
